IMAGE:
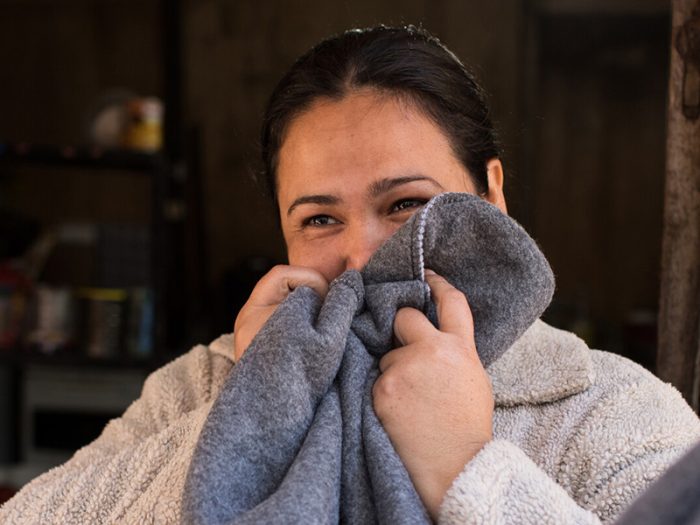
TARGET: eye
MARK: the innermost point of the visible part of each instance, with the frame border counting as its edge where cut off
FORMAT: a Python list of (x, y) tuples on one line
[(407, 204), (320, 220)]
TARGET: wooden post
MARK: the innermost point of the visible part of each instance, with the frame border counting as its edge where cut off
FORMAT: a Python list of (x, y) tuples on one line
[(678, 358)]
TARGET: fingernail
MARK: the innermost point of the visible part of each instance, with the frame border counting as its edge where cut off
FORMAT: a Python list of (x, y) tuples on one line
[(428, 271)]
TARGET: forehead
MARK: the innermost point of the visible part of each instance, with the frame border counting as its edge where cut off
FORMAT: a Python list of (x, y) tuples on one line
[(364, 135)]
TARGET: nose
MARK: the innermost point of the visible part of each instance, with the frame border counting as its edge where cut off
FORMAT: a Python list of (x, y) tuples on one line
[(361, 242)]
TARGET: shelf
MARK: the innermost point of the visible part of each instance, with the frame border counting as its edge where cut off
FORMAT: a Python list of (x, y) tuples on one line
[(80, 156), (25, 357)]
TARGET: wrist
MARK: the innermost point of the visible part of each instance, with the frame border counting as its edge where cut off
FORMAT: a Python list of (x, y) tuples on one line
[(434, 489)]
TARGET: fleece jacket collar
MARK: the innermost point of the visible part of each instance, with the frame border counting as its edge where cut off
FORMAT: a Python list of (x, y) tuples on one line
[(544, 365)]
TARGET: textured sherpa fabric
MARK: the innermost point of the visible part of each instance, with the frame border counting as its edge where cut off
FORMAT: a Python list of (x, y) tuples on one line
[(309, 448), (595, 429), (672, 499), (578, 434)]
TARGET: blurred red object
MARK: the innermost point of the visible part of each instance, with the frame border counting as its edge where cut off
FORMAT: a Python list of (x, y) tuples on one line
[(14, 293)]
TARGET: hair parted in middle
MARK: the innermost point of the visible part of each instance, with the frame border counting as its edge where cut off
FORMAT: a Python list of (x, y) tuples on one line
[(405, 62)]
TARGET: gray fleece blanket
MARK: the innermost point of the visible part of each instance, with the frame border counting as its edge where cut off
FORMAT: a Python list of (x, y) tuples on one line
[(293, 437)]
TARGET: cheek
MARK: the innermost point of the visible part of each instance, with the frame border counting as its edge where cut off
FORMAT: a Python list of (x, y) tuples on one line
[(323, 257)]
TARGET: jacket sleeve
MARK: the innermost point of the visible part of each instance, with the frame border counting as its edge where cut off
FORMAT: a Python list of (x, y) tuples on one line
[(502, 485), (134, 472), (624, 439)]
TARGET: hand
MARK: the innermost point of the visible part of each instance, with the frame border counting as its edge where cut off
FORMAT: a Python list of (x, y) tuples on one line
[(433, 396), (270, 291)]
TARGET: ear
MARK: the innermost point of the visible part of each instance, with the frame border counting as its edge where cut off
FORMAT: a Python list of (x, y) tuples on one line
[(494, 172)]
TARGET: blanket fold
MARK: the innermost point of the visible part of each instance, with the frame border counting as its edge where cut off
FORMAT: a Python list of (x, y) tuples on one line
[(293, 437)]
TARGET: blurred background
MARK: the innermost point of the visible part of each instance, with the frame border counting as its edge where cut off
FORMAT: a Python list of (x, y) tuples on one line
[(131, 227)]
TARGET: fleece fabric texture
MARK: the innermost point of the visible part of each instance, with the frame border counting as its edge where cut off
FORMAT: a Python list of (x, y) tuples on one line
[(310, 448), (672, 499), (578, 434)]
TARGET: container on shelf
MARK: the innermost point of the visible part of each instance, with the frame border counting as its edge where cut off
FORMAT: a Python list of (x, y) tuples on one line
[(144, 131), (14, 291), (54, 319), (139, 333), (102, 321)]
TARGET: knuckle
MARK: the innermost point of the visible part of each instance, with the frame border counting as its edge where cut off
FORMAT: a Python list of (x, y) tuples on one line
[(435, 352), (385, 386), (413, 370), (276, 272), (279, 268), (382, 399)]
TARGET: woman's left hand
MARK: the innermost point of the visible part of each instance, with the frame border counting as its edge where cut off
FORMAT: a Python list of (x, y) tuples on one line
[(433, 396)]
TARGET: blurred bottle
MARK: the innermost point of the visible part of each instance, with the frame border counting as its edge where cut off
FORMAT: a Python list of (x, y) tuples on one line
[(144, 131), (14, 291), (139, 334), (54, 314), (102, 319)]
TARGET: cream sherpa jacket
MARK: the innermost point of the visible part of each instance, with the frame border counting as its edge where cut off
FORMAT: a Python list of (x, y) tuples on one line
[(577, 435)]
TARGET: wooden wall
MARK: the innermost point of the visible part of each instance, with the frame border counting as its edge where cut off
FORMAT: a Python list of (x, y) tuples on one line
[(598, 164), (581, 115), (59, 59), (238, 49)]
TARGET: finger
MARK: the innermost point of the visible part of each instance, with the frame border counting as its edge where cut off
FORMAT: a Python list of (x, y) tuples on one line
[(453, 312), (411, 325), (281, 280), (272, 289), (392, 357), (307, 277)]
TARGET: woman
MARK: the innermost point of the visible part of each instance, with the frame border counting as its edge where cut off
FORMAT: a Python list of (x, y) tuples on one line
[(363, 130)]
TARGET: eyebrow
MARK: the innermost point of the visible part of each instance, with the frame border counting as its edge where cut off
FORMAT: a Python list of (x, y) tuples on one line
[(313, 199), (375, 189), (385, 185)]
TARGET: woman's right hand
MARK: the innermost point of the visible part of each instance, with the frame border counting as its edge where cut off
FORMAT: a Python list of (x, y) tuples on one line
[(270, 291)]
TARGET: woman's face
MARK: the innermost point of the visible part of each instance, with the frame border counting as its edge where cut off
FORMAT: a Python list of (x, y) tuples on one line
[(352, 171)]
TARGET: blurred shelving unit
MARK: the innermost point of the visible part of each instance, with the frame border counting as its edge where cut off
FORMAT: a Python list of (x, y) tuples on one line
[(165, 214), (70, 395)]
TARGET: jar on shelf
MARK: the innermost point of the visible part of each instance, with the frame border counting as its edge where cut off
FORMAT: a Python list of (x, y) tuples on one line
[(102, 321), (14, 293), (144, 131), (54, 319)]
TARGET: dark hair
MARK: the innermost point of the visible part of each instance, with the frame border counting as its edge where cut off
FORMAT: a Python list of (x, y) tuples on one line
[(406, 62)]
